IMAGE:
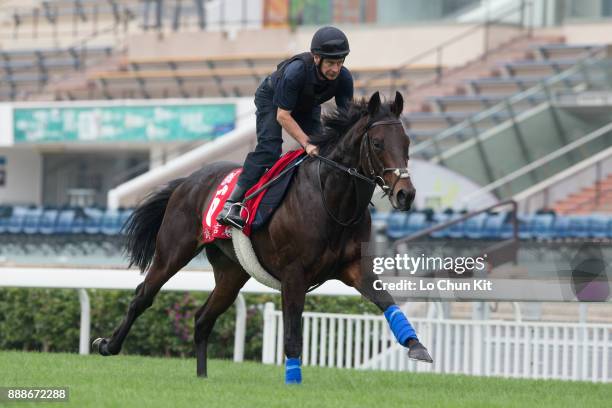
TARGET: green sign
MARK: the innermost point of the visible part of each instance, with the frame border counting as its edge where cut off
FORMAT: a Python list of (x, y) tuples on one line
[(123, 123)]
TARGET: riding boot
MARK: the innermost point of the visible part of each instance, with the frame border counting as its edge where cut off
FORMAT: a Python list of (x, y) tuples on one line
[(230, 214)]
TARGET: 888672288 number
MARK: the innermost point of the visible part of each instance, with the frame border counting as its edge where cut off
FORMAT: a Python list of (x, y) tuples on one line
[(33, 394)]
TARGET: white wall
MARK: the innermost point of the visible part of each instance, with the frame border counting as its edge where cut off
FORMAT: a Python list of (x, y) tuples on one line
[(6, 124), (23, 176)]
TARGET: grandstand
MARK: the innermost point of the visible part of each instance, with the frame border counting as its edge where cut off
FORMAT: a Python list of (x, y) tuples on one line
[(103, 100)]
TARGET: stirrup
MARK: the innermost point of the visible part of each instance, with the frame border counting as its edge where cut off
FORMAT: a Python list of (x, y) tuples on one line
[(232, 222)]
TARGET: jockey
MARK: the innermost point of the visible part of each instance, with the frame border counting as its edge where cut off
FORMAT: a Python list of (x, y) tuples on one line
[(290, 99)]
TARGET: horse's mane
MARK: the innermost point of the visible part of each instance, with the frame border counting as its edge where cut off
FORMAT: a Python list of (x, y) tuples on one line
[(339, 121)]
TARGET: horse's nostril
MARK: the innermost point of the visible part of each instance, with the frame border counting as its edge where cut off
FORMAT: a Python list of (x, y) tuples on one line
[(405, 197)]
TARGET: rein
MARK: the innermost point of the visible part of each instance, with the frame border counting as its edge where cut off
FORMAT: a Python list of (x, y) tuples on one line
[(373, 180)]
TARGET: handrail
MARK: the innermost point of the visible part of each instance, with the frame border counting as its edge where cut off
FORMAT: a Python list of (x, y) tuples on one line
[(539, 162), (542, 86), (438, 49)]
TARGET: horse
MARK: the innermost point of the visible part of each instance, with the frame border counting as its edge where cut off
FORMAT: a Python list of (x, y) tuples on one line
[(314, 235)]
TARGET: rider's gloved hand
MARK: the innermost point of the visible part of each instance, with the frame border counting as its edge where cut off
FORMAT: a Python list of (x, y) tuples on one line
[(311, 150)]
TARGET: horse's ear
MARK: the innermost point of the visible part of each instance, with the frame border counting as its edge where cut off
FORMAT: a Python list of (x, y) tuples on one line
[(397, 107), (374, 104)]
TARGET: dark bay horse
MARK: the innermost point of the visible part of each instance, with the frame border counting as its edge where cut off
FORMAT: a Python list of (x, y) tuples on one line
[(315, 234)]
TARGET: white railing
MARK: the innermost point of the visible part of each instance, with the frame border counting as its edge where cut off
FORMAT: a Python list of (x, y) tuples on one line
[(540, 350)]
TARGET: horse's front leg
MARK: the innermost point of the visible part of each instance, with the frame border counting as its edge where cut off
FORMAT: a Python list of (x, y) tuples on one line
[(363, 280), (293, 293)]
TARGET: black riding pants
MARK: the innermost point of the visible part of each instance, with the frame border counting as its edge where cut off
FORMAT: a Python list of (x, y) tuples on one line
[(269, 135)]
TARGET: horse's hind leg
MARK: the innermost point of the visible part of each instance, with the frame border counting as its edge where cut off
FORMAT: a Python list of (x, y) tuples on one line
[(229, 278), (175, 247)]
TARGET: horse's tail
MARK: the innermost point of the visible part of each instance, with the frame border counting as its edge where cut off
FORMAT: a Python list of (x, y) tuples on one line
[(142, 226)]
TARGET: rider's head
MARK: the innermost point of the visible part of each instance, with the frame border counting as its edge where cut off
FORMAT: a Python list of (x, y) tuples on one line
[(329, 46)]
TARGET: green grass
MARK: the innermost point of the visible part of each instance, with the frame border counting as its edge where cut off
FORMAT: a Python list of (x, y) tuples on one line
[(125, 381)]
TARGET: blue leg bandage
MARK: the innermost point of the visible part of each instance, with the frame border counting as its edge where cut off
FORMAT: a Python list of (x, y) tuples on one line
[(293, 371), (400, 326)]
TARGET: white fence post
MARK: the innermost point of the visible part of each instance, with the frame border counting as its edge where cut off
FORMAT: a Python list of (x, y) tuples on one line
[(269, 338), (85, 322), (240, 332)]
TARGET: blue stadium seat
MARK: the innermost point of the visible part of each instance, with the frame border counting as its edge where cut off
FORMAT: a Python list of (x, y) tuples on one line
[(111, 222), (31, 220), (78, 223), (417, 221), (93, 222), (525, 226), (507, 227), (578, 226), (48, 221), (598, 226), (441, 218), (15, 222), (475, 226), (561, 227), (493, 225), (127, 212), (395, 224), (457, 230), (64, 221), (5, 216), (542, 226)]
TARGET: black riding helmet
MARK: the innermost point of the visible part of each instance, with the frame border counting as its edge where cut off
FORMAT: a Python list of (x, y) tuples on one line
[(330, 42)]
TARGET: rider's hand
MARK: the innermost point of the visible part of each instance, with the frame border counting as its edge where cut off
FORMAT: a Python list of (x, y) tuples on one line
[(311, 150)]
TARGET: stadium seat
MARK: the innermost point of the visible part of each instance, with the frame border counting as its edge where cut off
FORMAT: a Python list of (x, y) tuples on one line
[(64, 221), (542, 226), (48, 221), (395, 224), (417, 221), (93, 222), (561, 227), (525, 226), (493, 225), (598, 226), (578, 226), (441, 218), (457, 230), (111, 222), (32, 220), (475, 226), (125, 215)]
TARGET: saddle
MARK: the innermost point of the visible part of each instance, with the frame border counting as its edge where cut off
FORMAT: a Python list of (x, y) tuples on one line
[(258, 209)]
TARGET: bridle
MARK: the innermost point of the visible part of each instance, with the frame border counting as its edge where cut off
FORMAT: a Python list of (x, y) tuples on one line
[(375, 169), (399, 172)]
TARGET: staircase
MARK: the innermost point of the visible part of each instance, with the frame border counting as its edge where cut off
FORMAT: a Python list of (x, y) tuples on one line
[(597, 198)]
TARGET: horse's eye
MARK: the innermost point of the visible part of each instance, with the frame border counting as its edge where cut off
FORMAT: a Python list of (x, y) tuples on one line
[(378, 144)]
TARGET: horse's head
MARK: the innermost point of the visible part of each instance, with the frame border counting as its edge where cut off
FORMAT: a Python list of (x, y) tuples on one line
[(384, 151)]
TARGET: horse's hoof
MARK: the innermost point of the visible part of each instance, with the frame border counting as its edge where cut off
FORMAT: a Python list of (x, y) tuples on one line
[(418, 352), (101, 345)]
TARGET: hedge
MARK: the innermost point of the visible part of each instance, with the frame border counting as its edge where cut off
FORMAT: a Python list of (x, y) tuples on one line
[(49, 320)]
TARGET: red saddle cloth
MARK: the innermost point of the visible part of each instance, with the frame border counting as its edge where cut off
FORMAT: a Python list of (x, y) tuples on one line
[(211, 229)]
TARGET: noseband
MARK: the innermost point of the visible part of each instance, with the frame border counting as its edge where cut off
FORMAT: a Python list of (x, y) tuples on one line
[(374, 164)]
